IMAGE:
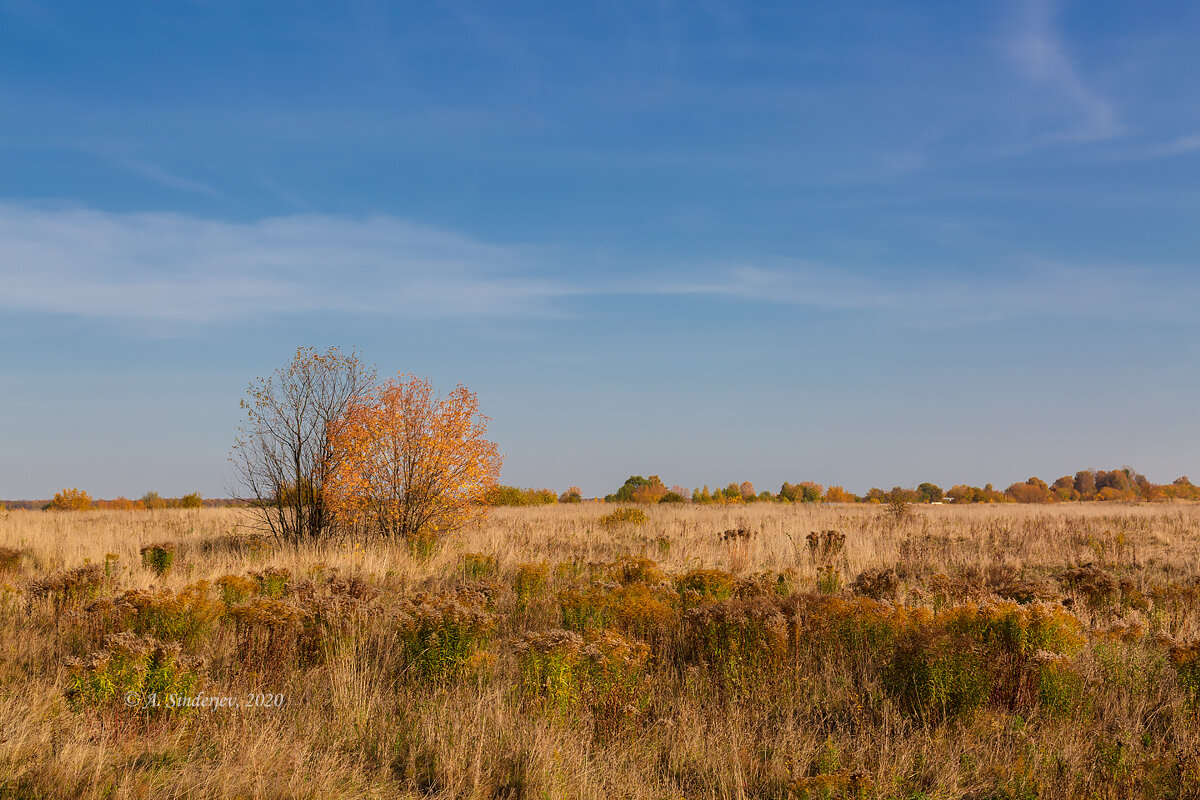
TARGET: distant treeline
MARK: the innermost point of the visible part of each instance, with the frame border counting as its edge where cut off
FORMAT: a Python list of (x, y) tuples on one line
[(78, 500), (1089, 485)]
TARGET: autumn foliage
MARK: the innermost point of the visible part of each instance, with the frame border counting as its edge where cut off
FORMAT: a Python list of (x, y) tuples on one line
[(71, 500), (411, 464)]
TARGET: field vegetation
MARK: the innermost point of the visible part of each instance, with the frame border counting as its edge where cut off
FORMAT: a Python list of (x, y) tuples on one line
[(772, 650)]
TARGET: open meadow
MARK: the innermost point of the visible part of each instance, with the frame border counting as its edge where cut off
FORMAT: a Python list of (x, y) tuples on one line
[(769, 650)]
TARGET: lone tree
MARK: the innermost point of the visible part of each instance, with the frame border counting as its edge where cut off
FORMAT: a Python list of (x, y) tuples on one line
[(283, 455), (411, 465)]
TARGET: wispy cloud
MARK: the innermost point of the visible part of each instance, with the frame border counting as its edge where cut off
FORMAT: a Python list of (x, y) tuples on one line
[(1076, 111), (181, 268), (187, 270), (157, 174), (1179, 146)]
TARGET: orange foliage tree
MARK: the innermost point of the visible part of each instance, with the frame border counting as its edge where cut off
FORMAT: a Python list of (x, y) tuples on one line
[(410, 464), (838, 494), (71, 500)]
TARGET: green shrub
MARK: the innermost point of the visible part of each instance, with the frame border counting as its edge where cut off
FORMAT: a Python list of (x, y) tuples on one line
[(704, 586), (272, 581), (601, 673), (530, 583), (1061, 689), (236, 589), (741, 642), (442, 636), (1017, 630), (133, 674), (159, 558), (937, 676), (185, 617), (477, 566), (1186, 660), (829, 580), (584, 608), (635, 609)]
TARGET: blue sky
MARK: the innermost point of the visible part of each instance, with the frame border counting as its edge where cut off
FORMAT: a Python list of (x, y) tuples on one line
[(867, 244)]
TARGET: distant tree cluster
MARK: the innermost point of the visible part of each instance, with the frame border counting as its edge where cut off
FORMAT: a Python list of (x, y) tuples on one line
[(514, 496), (1086, 486), (79, 500)]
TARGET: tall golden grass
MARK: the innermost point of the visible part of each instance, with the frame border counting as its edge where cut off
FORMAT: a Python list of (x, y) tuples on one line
[(984, 652)]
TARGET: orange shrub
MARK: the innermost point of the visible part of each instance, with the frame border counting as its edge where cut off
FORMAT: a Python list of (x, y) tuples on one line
[(71, 500)]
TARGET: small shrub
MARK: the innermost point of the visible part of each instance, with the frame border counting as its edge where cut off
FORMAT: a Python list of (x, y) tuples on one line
[(829, 580), (67, 588), (269, 631), (530, 583), (1176, 606), (737, 547), (253, 546), (623, 516), (565, 671), (236, 589), (742, 642), (133, 674), (1100, 590), (1061, 690), (10, 560), (442, 636), (898, 505), (272, 581), (825, 544), (814, 544), (877, 583), (638, 609), (584, 608), (766, 584), (477, 566), (1186, 660), (832, 543), (1015, 630), (632, 569), (186, 617), (859, 633), (842, 784), (192, 500), (422, 544), (704, 586), (159, 558), (937, 676)]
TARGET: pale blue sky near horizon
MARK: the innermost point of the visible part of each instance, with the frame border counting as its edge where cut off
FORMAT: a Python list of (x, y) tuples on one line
[(863, 244)]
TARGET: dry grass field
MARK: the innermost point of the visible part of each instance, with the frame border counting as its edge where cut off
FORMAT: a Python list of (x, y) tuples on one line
[(985, 652)]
